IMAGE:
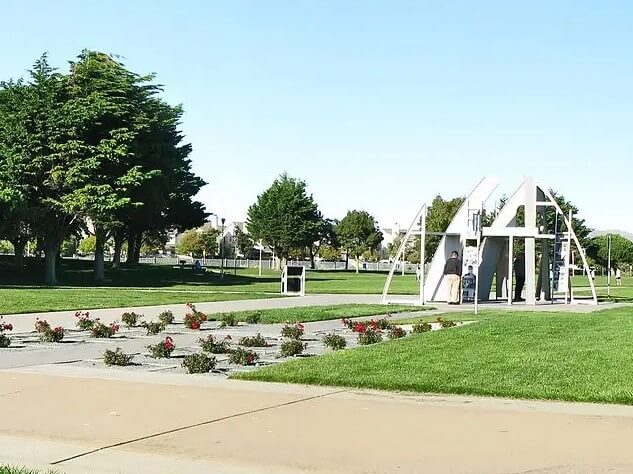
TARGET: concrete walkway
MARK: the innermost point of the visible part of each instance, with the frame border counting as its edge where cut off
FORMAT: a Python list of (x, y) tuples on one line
[(187, 424)]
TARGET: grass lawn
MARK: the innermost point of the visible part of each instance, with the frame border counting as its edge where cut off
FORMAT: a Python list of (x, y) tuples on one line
[(577, 357), (323, 313), (144, 285), (4, 469), (28, 300)]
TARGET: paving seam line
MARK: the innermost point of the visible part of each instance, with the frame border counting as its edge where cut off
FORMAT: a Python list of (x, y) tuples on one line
[(195, 425)]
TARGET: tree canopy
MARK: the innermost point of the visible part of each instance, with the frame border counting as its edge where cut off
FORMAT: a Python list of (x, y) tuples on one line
[(94, 149), (285, 217), (358, 233)]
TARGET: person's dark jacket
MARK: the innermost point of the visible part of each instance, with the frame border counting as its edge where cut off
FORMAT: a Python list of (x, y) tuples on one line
[(453, 267)]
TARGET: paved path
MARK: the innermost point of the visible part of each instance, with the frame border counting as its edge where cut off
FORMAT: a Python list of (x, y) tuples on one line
[(198, 425)]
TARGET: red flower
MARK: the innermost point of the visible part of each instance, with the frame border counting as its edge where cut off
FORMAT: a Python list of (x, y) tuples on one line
[(8, 327), (195, 325), (374, 325), (228, 337), (300, 326), (360, 327), (58, 329), (169, 344)]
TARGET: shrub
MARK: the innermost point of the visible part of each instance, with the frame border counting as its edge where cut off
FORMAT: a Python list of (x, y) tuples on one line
[(194, 318), (292, 331), (348, 323), (162, 349), (382, 323), (166, 317), (116, 357), (5, 341), (369, 337), (421, 327), (334, 341), (130, 319), (446, 323), (292, 347), (359, 327), (214, 346), (83, 320), (48, 334), (153, 328), (253, 318), (396, 332), (243, 357), (228, 319), (253, 341), (199, 363), (100, 330)]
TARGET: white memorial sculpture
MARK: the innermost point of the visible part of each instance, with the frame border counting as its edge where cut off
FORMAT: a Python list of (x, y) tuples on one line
[(490, 250)]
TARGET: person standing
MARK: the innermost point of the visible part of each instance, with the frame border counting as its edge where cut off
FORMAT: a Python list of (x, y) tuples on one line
[(618, 277), (453, 272), (519, 272)]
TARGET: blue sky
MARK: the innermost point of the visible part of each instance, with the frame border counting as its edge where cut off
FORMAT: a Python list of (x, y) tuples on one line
[(377, 105)]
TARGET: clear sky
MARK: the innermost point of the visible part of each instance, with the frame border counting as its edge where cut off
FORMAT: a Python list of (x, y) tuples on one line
[(377, 105)]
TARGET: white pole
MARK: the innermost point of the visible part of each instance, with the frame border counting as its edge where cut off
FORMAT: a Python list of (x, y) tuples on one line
[(260, 258), (477, 274), (422, 252), (609, 266), (568, 295), (510, 262)]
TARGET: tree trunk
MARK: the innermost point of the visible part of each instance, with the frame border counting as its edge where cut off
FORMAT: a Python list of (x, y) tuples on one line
[(346, 261), (99, 268), (312, 252), (131, 239), (18, 250), (50, 259), (137, 247), (118, 245), (357, 261)]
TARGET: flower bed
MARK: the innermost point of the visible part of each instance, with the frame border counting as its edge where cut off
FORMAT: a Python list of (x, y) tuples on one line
[(194, 318), (48, 334)]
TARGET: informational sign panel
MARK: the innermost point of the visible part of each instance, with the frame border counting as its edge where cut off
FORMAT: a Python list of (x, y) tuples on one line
[(470, 262), (561, 268)]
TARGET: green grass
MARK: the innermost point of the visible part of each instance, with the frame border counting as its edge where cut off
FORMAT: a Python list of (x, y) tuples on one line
[(145, 285), (28, 300), (565, 356), (4, 469), (323, 313)]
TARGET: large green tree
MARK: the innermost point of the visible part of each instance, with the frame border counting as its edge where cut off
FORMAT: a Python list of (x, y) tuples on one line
[(439, 215), (621, 250), (285, 217), (358, 233)]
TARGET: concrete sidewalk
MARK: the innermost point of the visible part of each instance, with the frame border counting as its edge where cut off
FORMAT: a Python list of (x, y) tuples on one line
[(192, 424)]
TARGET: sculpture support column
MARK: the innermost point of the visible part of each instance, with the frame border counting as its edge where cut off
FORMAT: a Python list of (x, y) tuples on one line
[(530, 242)]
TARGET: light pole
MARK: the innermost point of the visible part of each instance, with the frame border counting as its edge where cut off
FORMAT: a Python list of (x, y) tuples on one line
[(222, 249), (609, 266)]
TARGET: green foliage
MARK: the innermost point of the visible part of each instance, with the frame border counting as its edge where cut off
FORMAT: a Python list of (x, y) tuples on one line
[(215, 346), (334, 341), (117, 357), (162, 349), (621, 250), (292, 347), (130, 319), (294, 331), (103, 331), (253, 317), (358, 233), (253, 341), (421, 327), (438, 217), (87, 245), (228, 319), (199, 363), (6, 247), (396, 332), (241, 356), (166, 317), (329, 253), (191, 243), (369, 336), (243, 242), (285, 217), (153, 328)]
